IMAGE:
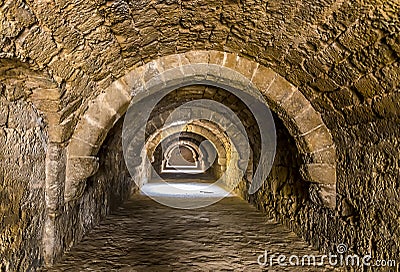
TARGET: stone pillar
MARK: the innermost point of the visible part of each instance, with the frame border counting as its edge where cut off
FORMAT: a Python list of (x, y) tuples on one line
[(54, 196)]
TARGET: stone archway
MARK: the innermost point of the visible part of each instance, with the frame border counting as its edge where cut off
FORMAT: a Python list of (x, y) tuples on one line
[(304, 123)]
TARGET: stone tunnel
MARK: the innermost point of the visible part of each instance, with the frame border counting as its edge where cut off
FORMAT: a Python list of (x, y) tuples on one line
[(199, 135)]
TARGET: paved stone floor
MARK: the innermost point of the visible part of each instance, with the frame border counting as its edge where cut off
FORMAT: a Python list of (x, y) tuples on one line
[(143, 235)]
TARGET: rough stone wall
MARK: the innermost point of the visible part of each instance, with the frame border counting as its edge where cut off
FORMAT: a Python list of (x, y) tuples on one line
[(285, 196), (342, 55), (23, 142), (367, 216), (104, 192), (369, 186), (322, 46)]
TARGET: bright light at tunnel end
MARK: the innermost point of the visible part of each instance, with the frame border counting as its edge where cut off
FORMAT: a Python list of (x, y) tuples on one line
[(237, 159)]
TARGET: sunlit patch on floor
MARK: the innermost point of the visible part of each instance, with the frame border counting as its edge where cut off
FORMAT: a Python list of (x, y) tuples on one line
[(184, 190)]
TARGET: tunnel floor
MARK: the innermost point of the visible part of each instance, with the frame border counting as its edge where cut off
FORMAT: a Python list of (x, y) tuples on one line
[(143, 235)]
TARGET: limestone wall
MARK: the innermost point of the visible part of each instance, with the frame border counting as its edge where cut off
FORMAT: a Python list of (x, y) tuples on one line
[(23, 144), (343, 56), (104, 192)]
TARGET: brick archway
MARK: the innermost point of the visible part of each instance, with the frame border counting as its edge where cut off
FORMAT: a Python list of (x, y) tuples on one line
[(313, 139)]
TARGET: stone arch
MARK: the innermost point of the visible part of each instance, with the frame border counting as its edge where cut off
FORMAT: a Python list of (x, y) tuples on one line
[(210, 132), (207, 154), (194, 150), (228, 70)]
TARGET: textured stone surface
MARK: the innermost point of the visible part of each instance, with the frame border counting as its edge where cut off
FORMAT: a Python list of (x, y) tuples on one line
[(103, 192), (143, 235), (152, 79), (23, 144), (342, 55)]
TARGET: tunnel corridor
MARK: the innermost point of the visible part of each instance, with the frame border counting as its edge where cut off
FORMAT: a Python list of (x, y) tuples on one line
[(143, 235), (197, 135), (183, 209)]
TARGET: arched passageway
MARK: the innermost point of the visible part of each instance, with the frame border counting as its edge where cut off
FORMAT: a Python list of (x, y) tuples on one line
[(69, 70), (328, 70), (183, 139)]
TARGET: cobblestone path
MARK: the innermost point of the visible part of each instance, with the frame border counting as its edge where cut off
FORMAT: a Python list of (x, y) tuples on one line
[(146, 236)]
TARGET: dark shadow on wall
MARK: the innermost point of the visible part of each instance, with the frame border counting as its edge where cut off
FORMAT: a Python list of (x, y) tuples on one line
[(104, 192), (113, 172), (286, 197)]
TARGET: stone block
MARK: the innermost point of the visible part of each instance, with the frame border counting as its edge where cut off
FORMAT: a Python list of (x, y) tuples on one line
[(79, 147), (388, 106), (279, 90), (295, 103), (45, 94), (3, 113), (116, 97), (326, 155), (102, 113), (88, 131), (169, 62), (307, 120), (246, 67), (230, 61), (47, 105), (213, 73), (155, 84), (150, 71), (195, 57), (343, 98), (317, 139), (262, 79), (319, 173), (174, 78), (195, 73), (327, 195), (368, 86), (80, 168), (233, 79), (358, 36), (324, 84), (216, 57)]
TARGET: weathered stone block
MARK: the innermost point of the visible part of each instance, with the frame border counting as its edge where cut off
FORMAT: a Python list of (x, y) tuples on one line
[(195, 72), (319, 173), (307, 120), (246, 67), (102, 113), (317, 139), (77, 171), (216, 57), (117, 97), (358, 36), (295, 103), (263, 78), (327, 155), (324, 84), (388, 106), (233, 79), (3, 113), (368, 86), (327, 194), (88, 131), (79, 147), (343, 98), (198, 56), (169, 62)]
